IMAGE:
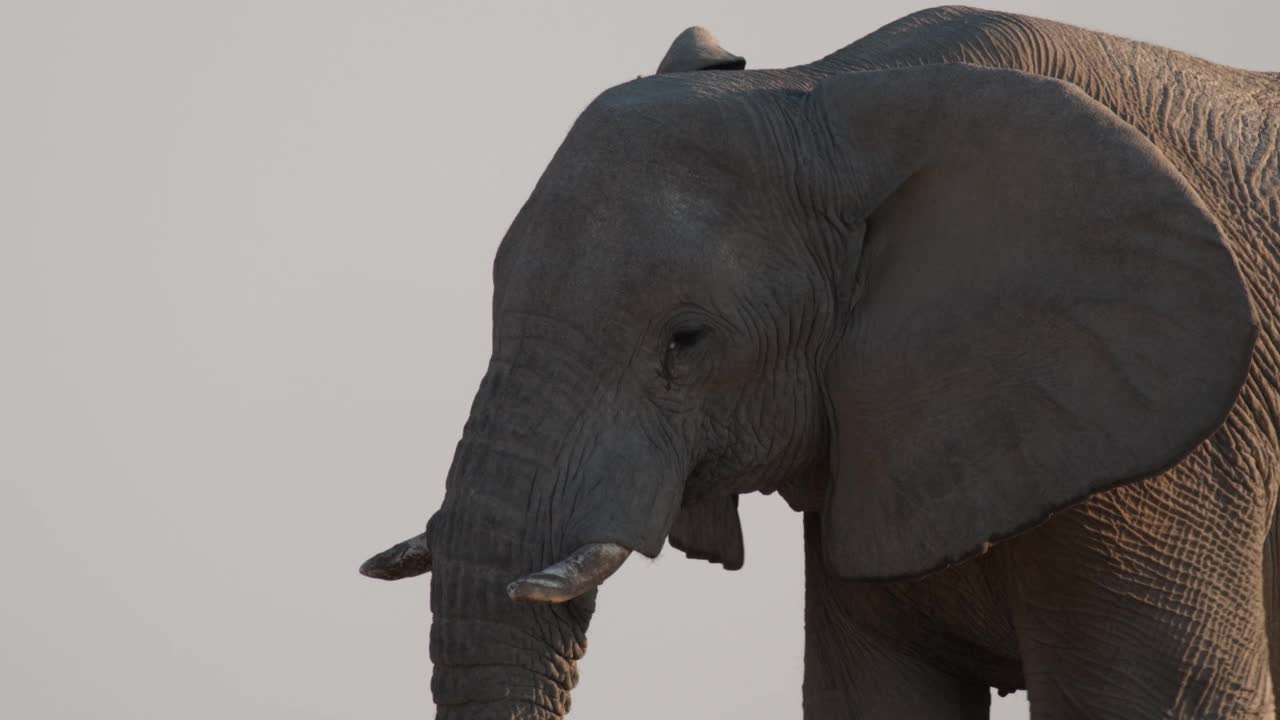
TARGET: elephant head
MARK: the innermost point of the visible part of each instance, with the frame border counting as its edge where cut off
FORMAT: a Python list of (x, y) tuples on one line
[(934, 304)]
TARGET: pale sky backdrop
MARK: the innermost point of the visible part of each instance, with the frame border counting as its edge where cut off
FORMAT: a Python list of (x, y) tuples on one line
[(244, 297)]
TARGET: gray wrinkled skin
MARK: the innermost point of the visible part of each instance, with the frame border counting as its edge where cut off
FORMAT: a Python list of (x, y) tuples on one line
[(991, 299)]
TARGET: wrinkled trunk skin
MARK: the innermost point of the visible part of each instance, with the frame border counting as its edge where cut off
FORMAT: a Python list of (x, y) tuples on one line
[(493, 658), (533, 478)]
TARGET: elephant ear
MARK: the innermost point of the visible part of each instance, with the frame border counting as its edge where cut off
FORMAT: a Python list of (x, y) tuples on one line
[(709, 529), (697, 49), (1046, 310)]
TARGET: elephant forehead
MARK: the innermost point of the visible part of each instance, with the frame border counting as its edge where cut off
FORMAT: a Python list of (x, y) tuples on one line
[(639, 209), (621, 263), (620, 223)]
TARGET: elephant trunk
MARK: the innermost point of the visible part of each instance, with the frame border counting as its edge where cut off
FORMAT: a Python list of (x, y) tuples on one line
[(494, 657), (528, 528), (496, 663)]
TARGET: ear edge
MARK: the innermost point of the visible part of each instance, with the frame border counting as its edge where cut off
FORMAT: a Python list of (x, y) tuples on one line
[(697, 49), (856, 571), (833, 566)]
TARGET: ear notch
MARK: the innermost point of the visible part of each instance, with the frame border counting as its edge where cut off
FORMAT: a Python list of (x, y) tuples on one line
[(710, 529), (1049, 310), (697, 49)]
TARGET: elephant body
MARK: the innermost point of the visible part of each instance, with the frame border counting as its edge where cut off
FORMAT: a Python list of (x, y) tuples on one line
[(992, 300), (1171, 562)]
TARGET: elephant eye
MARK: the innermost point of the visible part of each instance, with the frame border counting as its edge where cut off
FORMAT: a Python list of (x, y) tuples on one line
[(684, 339), (679, 354)]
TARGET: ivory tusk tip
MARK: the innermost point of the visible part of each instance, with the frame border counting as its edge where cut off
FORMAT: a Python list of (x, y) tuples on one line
[(407, 559), (581, 572), (540, 587)]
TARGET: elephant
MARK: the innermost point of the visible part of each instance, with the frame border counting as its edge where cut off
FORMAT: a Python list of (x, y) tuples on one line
[(990, 299)]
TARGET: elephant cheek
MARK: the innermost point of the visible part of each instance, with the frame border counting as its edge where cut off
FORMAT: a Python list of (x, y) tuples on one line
[(632, 494)]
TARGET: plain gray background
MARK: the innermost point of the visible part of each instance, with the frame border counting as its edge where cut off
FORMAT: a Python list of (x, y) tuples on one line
[(244, 287)]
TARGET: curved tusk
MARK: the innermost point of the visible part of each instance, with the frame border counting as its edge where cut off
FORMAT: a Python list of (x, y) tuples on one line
[(581, 572), (407, 559)]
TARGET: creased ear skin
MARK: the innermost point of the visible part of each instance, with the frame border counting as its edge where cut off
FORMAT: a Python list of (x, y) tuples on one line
[(710, 529), (1049, 311)]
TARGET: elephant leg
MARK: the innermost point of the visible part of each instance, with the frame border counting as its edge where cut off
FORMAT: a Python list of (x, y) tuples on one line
[(1146, 601), (852, 673)]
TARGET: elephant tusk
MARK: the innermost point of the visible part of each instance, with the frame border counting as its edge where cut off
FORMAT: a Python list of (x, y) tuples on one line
[(407, 559), (581, 572)]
